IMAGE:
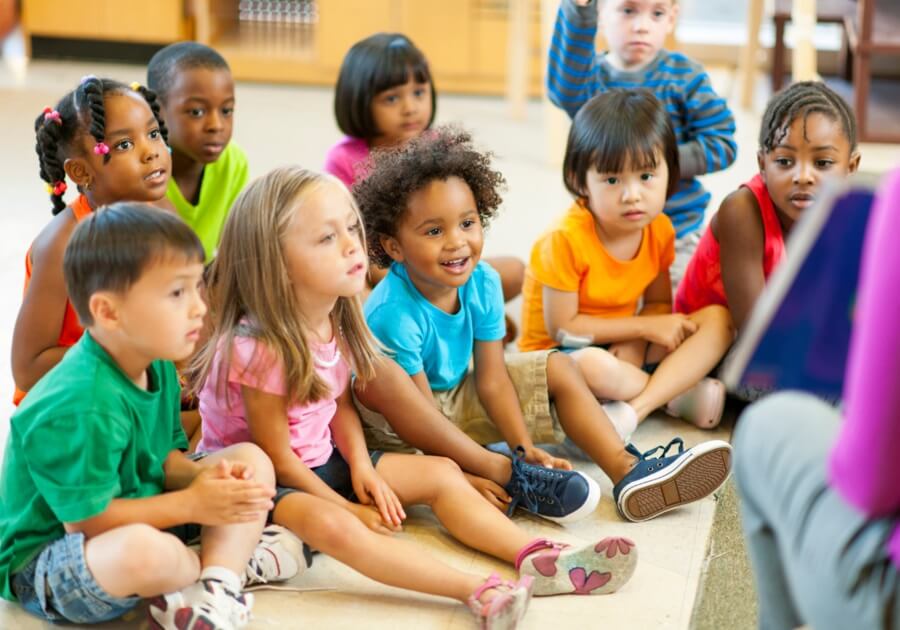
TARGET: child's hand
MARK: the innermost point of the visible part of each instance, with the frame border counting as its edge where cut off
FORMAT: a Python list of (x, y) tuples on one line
[(540, 457), (669, 331), (371, 518), (221, 495), (491, 491), (370, 487)]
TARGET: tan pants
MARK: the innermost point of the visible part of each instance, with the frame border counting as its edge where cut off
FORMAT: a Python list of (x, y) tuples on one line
[(461, 405)]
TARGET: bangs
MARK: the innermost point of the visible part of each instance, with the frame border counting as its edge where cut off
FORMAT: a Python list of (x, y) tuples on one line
[(634, 154), (401, 63)]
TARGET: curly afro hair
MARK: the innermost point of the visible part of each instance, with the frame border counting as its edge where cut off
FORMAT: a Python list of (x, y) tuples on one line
[(395, 174)]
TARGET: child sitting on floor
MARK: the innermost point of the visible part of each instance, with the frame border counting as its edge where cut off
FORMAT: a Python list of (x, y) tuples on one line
[(598, 282)]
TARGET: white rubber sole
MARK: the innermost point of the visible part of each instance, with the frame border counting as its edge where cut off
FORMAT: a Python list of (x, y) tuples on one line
[(699, 472)]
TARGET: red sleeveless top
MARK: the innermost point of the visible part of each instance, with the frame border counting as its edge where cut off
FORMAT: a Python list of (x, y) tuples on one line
[(702, 282), (71, 328)]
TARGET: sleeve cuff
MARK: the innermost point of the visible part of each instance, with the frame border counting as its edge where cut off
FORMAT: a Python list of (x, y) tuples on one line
[(691, 160)]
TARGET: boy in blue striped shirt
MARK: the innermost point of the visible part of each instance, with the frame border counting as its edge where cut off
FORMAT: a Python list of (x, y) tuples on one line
[(635, 32)]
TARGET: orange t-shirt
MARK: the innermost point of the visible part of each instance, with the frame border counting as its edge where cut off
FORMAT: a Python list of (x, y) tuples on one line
[(71, 328), (570, 257)]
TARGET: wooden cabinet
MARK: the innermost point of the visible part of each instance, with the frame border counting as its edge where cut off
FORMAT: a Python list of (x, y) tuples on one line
[(160, 21), (465, 41)]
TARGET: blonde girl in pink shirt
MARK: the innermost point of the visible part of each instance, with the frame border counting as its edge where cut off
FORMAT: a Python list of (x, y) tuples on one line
[(288, 331)]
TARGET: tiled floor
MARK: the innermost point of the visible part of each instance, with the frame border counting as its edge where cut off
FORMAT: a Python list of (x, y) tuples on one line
[(280, 124)]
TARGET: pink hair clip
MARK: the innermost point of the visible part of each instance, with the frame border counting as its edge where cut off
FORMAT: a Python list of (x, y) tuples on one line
[(52, 114), (101, 148)]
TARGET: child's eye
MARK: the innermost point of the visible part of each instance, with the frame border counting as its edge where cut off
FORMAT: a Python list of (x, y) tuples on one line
[(390, 99), (612, 181), (356, 227), (227, 111), (177, 293), (196, 112), (327, 238), (124, 145), (646, 177), (419, 93), (155, 134), (627, 10), (783, 162), (468, 223), (659, 14), (824, 163), (433, 232)]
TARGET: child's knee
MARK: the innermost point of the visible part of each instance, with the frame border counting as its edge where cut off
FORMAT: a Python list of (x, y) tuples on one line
[(145, 550), (715, 315), (248, 453), (596, 364)]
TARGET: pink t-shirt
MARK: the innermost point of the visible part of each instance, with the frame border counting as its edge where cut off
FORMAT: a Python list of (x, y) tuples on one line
[(344, 158), (310, 423)]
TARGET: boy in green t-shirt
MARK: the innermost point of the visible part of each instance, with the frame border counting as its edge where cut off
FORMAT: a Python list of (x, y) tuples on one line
[(94, 481), (196, 92)]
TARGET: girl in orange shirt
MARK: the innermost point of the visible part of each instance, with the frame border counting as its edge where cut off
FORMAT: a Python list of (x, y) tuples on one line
[(109, 140), (598, 283)]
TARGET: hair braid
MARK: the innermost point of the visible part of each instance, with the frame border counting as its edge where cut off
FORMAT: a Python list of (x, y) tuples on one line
[(152, 100), (92, 90), (49, 138)]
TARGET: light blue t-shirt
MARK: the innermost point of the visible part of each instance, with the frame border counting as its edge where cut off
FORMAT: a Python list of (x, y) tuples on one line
[(423, 337)]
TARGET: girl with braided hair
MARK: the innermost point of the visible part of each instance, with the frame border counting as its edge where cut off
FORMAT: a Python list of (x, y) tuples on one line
[(808, 135), (109, 139)]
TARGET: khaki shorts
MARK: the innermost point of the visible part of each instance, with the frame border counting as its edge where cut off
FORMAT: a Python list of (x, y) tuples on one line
[(461, 405)]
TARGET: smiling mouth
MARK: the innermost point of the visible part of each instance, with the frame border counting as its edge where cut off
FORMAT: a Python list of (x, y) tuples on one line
[(157, 174), (456, 263)]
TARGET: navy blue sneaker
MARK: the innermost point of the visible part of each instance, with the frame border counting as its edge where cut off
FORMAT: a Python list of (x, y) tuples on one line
[(562, 496), (665, 482)]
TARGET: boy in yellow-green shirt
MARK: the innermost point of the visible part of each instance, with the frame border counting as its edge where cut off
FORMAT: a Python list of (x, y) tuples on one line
[(196, 91)]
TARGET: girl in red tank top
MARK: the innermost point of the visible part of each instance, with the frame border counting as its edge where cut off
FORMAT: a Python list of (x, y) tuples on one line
[(132, 164), (808, 135)]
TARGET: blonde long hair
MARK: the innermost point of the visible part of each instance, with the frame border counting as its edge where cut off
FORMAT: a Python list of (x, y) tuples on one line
[(250, 293)]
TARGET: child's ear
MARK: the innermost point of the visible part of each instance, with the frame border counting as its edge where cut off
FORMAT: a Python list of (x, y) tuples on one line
[(103, 306), (79, 171), (854, 162), (673, 17), (761, 162), (391, 247)]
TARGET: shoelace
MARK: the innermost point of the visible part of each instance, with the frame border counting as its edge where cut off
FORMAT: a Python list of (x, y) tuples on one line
[(531, 485), (665, 450)]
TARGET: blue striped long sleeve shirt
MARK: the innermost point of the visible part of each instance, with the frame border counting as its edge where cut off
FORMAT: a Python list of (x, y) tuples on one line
[(703, 124)]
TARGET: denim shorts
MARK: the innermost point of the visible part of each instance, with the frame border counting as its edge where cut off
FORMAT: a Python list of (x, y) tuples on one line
[(57, 586), (336, 473)]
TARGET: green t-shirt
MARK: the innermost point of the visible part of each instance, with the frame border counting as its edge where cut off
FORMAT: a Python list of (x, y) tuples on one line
[(84, 435), (223, 181)]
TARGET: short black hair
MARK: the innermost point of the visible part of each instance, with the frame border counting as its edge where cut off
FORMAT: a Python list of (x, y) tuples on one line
[(800, 100), (111, 249), (371, 66), (180, 56), (395, 174), (616, 128), (81, 110)]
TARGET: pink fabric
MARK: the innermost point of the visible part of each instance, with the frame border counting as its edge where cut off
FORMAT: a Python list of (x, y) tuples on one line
[(864, 466), (253, 365), (344, 159)]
